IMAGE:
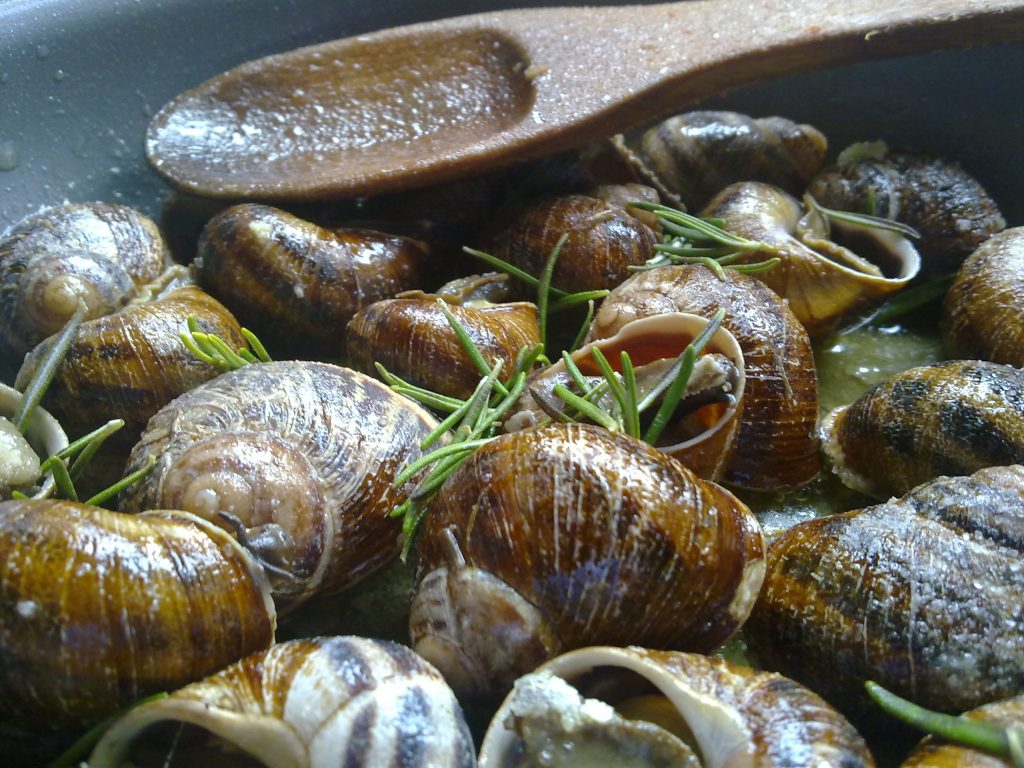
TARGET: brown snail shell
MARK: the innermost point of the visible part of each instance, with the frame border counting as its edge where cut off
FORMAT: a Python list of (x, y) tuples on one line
[(777, 443), (303, 454), (697, 154), (936, 753), (410, 336), (546, 539), (308, 703), (20, 454), (944, 203), (921, 594), (984, 308), (824, 282), (98, 609), (297, 284), (93, 252), (594, 705), (949, 418), (702, 438), (604, 241), (131, 363)]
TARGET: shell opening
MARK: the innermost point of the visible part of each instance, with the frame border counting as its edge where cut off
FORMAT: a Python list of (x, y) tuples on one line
[(174, 744)]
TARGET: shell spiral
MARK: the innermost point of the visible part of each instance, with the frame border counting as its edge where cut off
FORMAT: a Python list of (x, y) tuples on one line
[(98, 609), (302, 453), (547, 539), (318, 702)]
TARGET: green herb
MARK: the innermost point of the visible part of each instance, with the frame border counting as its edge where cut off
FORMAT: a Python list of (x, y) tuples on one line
[(213, 350), (906, 302), (544, 289), (108, 493), (1003, 741), (44, 374), (829, 215), (77, 752), (584, 327)]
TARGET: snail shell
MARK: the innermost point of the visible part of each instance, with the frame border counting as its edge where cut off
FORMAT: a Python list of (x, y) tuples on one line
[(984, 308), (823, 281), (777, 443), (131, 363), (51, 260), (297, 284), (945, 204), (702, 436), (948, 418), (20, 454), (921, 594), (604, 241), (309, 703), (547, 539), (936, 753), (303, 454), (98, 609), (608, 703), (697, 154), (410, 336)]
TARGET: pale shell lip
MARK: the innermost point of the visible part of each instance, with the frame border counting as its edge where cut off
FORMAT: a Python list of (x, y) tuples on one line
[(832, 448), (44, 432)]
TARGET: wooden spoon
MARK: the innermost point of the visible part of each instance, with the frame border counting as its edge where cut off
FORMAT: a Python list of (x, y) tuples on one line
[(429, 102)]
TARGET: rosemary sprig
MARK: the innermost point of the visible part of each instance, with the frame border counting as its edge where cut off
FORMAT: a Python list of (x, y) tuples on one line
[(584, 327), (213, 350), (828, 215), (627, 398), (544, 290), (1003, 741), (44, 374), (906, 302)]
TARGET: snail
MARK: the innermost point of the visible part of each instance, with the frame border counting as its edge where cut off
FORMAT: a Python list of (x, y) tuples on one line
[(411, 336), (824, 281), (944, 203), (20, 454), (97, 253), (612, 706), (548, 539), (921, 594), (703, 426), (98, 609), (298, 457), (984, 307), (933, 752), (603, 239), (131, 363), (777, 444), (297, 284), (304, 704), (949, 418), (697, 154)]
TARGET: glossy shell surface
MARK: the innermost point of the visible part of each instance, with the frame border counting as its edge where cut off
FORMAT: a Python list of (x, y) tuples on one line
[(98, 609), (302, 453), (777, 442), (310, 703), (948, 418), (921, 594)]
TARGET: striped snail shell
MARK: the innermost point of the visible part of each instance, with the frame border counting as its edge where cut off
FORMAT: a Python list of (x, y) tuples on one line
[(703, 429), (93, 252), (945, 204), (949, 418), (697, 154), (20, 453), (297, 284), (547, 540), (984, 309), (98, 609), (604, 240), (600, 705), (307, 704), (131, 363), (777, 443), (824, 282), (936, 753), (302, 454), (921, 594), (411, 337)]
